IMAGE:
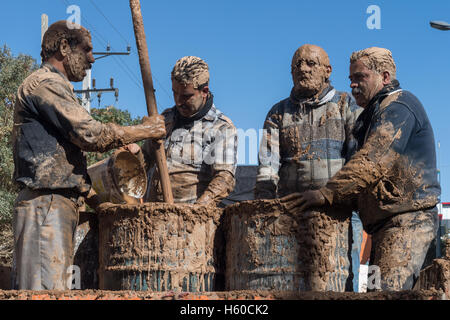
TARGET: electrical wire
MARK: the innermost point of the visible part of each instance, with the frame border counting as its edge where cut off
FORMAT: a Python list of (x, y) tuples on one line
[(111, 24), (94, 32), (127, 42), (122, 64)]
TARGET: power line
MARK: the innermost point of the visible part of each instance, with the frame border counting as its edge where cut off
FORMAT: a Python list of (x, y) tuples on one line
[(128, 72), (105, 43), (91, 27), (122, 64), (111, 24), (120, 34)]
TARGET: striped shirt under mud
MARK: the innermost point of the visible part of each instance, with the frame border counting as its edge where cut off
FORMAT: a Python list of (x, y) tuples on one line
[(305, 143), (196, 153)]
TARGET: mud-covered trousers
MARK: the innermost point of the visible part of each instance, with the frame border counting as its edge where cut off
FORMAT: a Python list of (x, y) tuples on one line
[(399, 248), (44, 227)]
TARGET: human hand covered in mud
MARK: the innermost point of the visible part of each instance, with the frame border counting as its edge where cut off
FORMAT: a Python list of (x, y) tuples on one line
[(136, 150), (133, 148), (103, 206), (156, 126), (205, 199), (92, 199), (298, 202)]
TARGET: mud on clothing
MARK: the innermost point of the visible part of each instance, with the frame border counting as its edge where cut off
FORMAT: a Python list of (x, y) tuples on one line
[(400, 246), (305, 143), (201, 157), (394, 170), (51, 131), (392, 174), (44, 230)]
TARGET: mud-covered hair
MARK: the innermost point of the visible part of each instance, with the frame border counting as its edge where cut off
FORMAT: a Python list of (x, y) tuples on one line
[(376, 59), (323, 57), (59, 31), (191, 70)]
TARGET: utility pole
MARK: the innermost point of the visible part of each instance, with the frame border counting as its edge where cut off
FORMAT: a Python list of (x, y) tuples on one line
[(88, 89), (86, 96), (87, 92)]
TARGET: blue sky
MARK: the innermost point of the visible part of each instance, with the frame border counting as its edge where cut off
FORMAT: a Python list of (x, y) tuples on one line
[(249, 45)]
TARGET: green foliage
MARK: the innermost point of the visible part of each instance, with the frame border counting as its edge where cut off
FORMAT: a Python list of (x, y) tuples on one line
[(108, 115), (112, 114), (7, 199), (13, 70)]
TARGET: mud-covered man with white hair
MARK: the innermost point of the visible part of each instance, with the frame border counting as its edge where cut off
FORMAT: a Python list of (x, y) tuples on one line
[(201, 142), (392, 179)]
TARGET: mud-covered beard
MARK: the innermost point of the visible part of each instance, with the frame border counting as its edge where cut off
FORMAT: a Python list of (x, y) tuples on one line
[(309, 86), (75, 66)]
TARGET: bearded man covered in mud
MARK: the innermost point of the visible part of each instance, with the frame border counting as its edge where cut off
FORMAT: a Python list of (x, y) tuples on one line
[(51, 131), (306, 141), (201, 142), (392, 179)]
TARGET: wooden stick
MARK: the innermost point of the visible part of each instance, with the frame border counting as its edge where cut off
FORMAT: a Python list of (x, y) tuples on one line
[(146, 72)]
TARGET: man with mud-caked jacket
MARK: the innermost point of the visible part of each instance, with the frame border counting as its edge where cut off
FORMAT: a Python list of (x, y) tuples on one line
[(306, 141), (201, 142), (392, 179), (51, 131)]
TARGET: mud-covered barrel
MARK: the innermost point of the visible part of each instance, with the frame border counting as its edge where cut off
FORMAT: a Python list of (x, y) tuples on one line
[(268, 248), (160, 247)]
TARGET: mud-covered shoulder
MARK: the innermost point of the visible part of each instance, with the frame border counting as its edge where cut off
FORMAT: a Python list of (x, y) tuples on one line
[(400, 103), (33, 81), (52, 83), (223, 119), (168, 112), (279, 107), (340, 95), (408, 99), (277, 111), (346, 100), (351, 103), (169, 115)]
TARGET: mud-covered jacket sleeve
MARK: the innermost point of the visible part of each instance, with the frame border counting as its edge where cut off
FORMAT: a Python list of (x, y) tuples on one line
[(219, 187), (387, 138), (224, 162), (57, 106), (269, 159)]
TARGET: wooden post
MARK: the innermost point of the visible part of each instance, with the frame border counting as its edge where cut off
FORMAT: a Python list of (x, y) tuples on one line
[(44, 26), (146, 72)]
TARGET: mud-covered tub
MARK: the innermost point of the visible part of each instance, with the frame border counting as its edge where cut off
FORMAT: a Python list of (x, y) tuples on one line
[(160, 247), (267, 248)]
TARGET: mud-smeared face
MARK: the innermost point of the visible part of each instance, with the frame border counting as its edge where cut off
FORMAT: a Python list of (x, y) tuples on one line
[(310, 70), (187, 99), (365, 83), (79, 60)]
